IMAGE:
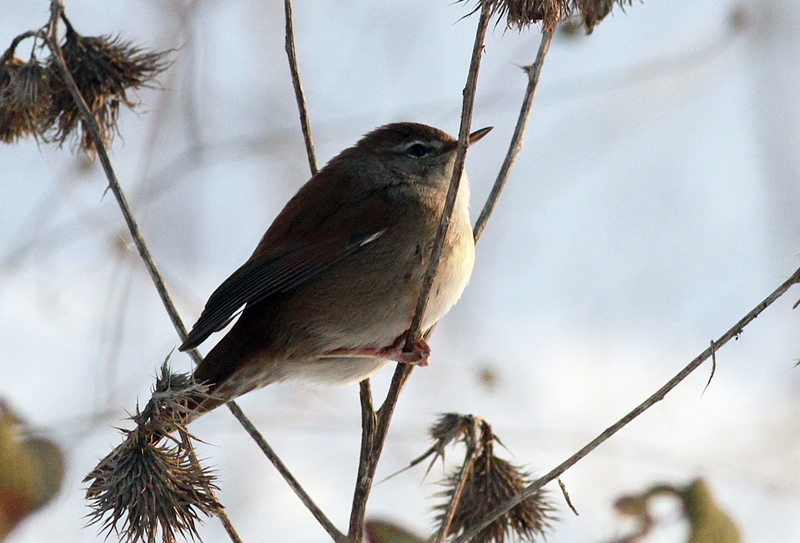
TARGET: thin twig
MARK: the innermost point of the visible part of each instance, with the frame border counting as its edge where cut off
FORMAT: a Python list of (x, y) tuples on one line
[(564, 492), (56, 8), (367, 426), (298, 88), (25, 35), (515, 146), (713, 366), (455, 181), (51, 38), (363, 479), (335, 534), (659, 395)]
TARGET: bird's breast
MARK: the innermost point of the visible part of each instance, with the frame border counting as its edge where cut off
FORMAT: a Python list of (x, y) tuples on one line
[(456, 263)]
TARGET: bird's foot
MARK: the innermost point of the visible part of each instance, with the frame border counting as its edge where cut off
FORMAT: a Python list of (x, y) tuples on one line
[(418, 355)]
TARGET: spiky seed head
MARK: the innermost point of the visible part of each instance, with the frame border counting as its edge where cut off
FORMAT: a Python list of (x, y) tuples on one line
[(520, 14), (104, 69)]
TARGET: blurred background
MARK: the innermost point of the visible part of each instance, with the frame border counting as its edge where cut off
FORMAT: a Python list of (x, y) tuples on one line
[(655, 202)]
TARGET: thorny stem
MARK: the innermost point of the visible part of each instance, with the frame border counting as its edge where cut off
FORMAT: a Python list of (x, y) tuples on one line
[(455, 180), (298, 89), (268, 451), (515, 146), (656, 397)]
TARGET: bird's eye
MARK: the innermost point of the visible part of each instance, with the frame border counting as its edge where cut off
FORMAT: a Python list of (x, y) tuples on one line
[(417, 150)]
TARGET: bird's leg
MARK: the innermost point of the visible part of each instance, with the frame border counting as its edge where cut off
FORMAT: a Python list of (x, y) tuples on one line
[(418, 355)]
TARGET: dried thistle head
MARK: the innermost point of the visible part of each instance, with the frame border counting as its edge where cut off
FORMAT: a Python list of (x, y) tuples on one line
[(12, 122), (594, 11), (486, 481), (27, 97), (520, 14), (142, 485), (171, 407), (490, 482), (104, 69), (451, 427)]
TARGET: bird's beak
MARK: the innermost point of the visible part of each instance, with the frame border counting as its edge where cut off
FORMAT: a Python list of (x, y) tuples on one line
[(475, 136), (478, 134)]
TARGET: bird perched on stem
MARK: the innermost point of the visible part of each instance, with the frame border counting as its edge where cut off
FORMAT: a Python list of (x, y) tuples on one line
[(330, 291)]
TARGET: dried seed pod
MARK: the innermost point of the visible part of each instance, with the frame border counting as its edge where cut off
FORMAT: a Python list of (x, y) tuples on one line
[(520, 14), (28, 96), (104, 68), (141, 487), (144, 486), (594, 11), (490, 482), (12, 122), (486, 481)]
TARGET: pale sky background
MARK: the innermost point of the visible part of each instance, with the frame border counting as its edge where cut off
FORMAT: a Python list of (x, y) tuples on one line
[(655, 202)]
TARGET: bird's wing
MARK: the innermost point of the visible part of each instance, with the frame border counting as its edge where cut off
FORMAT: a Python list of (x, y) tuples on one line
[(271, 272)]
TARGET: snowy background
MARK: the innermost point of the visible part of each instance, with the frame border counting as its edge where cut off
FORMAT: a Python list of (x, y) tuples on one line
[(656, 201)]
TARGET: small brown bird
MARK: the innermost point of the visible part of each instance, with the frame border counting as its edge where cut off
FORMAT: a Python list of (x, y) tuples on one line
[(330, 291)]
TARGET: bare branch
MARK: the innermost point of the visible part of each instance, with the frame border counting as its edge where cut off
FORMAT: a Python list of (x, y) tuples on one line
[(298, 88), (455, 181), (659, 395), (515, 146), (375, 441), (25, 35), (51, 38), (365, 462), (402, 372), (56, 8)]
